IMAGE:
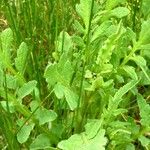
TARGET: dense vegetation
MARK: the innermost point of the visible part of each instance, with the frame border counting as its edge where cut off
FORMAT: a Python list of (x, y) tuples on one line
[(75, 74)]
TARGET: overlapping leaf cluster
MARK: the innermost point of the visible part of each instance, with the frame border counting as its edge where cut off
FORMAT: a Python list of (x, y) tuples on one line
[(111, 67)]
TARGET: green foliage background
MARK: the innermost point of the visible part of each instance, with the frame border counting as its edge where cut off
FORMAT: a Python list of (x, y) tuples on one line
[(75, 75)]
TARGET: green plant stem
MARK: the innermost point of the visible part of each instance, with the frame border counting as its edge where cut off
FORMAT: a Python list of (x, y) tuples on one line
[(6, 92), (86, 52)]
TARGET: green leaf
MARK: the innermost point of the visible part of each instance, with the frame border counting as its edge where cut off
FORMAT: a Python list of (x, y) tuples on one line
[(106, 51), (59, 91), (123, 90), (84, 11), (141, 62), (100, 30), (131, 35), (115, 101), (78, 27), (92, 128), (70, 96), (24, 133), (78, 41), (26, 89), (1, 77), (111, 30), (145, 33), (144, 111), (34, 105), (81, 142), (72, 143), (130, 147), (65, 70), (6, 39), (145, 7), (64, 42), (11, 81), (42, 141), (119, 12), (145, 47), (51, 74), (119, 111), (44, 115), (144, 141), (111, 4), (61, 72), (10, 104), (97, 143), (21, 59), (130, 71)]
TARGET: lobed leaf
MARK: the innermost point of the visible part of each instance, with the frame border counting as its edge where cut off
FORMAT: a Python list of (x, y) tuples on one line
[(61, 72), (105, 53), (81, 142)]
